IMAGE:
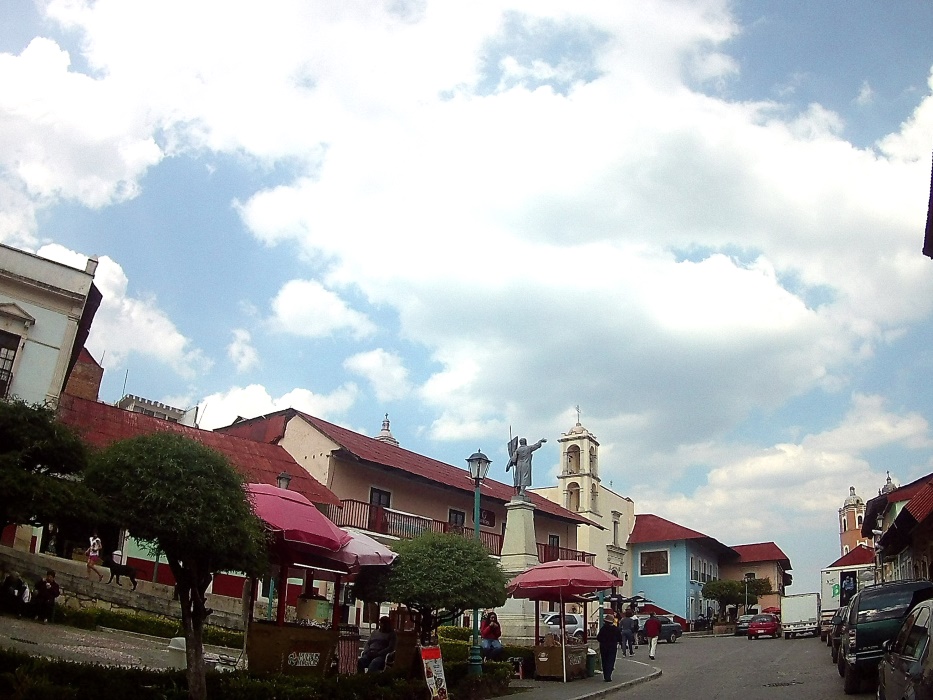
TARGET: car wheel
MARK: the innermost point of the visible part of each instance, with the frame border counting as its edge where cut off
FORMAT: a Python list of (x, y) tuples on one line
[(850, 681), (672, 637), (841, 665)]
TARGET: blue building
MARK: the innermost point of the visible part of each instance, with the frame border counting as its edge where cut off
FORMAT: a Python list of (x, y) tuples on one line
[(670, 563)]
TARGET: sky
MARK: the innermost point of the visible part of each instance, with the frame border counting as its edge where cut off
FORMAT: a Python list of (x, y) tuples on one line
[(698, 221)]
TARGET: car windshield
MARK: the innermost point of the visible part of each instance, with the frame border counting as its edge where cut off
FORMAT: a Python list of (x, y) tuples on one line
[(762, 618), (885, 605)]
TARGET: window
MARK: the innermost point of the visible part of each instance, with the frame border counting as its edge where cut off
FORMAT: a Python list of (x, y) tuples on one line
[(694, 574), (377, 497), (615, 532), (9, 343), (654, 563), (456, 518), (858, 521)]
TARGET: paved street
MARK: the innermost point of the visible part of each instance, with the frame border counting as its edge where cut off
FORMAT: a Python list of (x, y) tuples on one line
[(723, 668)]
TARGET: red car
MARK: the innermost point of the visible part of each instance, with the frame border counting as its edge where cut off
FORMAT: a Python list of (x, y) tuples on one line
[(765, 625)]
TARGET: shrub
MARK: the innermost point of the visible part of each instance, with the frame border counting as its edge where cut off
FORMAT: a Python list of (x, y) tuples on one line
[(464, 634)]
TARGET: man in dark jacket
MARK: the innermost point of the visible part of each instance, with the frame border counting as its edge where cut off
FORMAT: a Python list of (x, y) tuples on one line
[(609, 638), (46, 593)]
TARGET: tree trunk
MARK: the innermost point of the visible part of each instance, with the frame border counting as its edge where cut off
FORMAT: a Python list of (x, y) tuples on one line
[(192, 584)]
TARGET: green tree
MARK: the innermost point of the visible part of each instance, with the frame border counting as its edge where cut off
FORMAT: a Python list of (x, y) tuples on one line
[(725, 592), (41, 462), (442, 572), (758, 587), (179, 497)]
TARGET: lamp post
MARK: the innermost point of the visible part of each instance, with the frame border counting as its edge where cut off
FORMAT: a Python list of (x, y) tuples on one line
[(748, 577), (283, 480), (479, 467)]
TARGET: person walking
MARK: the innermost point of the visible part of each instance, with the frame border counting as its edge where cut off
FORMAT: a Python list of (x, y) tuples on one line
[(93, 555), (609, 638), (652, 632), (627, 626)]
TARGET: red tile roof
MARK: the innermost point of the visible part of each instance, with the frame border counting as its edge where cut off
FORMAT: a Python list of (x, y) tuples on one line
[(653, 528), (859, 556), (101, 424), (879, 504), (921, 505), (383, 454), (762, 551)]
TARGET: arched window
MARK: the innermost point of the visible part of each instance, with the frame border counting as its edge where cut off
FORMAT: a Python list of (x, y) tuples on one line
[(573, 459), (573, 496)]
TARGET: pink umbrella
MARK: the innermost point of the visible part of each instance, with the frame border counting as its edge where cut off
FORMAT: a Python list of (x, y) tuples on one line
[(294, 520), (560, 580), (362, 550)]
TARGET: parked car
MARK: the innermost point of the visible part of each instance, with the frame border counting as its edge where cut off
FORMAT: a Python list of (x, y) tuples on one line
[(874, 616), (573, 623), (905, 671), (826, 623), (741, 625), (670, 630), (835, 632), (764, 625)]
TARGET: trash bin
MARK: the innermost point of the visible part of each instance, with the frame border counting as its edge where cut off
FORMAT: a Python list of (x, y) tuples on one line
[(591, 662)]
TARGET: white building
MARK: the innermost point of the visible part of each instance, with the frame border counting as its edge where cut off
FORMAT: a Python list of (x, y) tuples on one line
[(580, 489), (46, 310)]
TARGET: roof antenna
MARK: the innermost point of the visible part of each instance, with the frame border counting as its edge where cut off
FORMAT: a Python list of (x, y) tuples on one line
[(125, 376)]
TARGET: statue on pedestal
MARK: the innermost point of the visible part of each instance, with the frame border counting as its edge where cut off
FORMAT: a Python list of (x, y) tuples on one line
[(520, 458)]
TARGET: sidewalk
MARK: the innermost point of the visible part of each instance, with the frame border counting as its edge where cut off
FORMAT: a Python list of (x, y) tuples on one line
[(628, 671)]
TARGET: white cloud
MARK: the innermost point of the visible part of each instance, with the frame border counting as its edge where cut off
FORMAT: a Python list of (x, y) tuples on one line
[(127, 325), (384, 370), (241, 351), (223, 408), (866, 95), (306, 308)]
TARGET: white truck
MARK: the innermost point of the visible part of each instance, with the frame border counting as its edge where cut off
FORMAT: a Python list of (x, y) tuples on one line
[(800, 614)]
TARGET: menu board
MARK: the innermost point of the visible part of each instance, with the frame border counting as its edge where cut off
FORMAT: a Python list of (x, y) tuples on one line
[(434, 672)]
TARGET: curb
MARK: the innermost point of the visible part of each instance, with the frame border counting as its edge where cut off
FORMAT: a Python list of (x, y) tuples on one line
[(621, 686)]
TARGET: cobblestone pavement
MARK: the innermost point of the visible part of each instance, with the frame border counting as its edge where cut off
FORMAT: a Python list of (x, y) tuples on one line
[(105, 646)]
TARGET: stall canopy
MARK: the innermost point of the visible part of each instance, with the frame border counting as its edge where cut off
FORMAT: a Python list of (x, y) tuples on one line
[(294, 521), (560, 581)]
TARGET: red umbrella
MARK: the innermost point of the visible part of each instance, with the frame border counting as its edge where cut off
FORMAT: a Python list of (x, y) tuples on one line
[(294, 519), (560, 580)]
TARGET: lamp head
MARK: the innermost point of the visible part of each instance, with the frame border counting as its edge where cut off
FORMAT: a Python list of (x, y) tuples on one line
[(479, 465)]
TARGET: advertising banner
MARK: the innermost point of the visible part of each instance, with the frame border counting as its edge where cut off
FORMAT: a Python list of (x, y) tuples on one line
[(434, 672)]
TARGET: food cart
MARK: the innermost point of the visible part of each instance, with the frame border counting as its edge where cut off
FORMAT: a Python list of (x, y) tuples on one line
[(304, 540)]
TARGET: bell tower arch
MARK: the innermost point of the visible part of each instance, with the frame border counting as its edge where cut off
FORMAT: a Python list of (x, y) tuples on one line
[(579, 470)]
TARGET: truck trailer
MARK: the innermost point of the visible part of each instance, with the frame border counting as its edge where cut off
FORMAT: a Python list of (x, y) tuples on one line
[(800, 614)]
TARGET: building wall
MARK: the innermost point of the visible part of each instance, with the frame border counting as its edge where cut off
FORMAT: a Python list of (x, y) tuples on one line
[(85, 380), (351, 480), (669, 590), (54, 295)]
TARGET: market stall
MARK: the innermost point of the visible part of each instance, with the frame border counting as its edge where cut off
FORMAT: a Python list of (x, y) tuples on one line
[(303, 541), (561, 582)]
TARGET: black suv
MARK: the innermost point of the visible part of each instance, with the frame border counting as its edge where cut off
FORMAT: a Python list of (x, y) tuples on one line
[(874, 616)]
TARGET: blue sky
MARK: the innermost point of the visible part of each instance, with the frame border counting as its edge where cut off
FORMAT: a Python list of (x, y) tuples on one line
[(700, 221)]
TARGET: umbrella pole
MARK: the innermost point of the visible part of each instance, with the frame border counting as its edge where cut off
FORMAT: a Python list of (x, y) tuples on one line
[(283, 590), (335, 621), (563, 635), (537, 623)]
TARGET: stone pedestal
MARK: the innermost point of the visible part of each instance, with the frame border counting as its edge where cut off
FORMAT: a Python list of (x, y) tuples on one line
[(519, 549), (519, 553)]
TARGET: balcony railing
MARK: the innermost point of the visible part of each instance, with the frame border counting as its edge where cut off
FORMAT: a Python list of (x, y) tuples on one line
[(405, 526), (548, 552)]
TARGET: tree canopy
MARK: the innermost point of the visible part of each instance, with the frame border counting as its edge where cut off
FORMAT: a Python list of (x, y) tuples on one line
[(184, 499), (730, 592), (437, 573), (41, 463)]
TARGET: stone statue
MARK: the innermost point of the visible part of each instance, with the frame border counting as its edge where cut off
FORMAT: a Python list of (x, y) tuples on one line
[(520, 458)]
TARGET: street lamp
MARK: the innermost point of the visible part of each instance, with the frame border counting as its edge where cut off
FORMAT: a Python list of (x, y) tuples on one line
[(479, 467), (283, 480), (748, 577)]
